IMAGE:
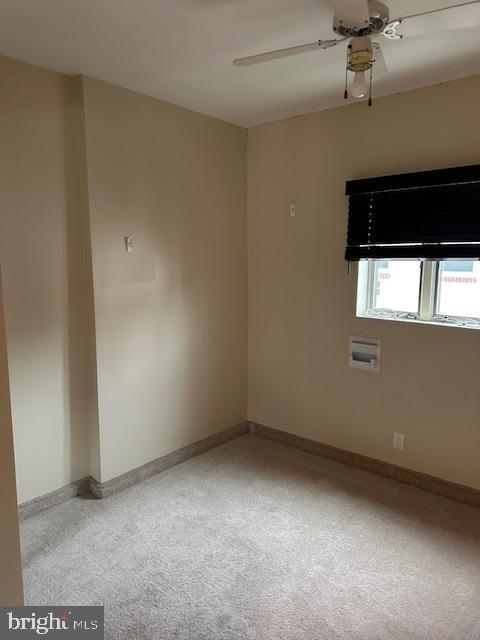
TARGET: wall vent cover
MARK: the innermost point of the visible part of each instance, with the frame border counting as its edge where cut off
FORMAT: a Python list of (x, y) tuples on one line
[(364, 353)]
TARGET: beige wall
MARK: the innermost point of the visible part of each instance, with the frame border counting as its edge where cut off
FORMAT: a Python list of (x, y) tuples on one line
[(11, 588), (302, 301), (41, 254), (170, 317)]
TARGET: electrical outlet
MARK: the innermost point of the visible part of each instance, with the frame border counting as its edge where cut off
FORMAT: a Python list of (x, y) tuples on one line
[(398, 440)]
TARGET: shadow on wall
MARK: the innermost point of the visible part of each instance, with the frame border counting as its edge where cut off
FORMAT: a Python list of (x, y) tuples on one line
[(80, 369)]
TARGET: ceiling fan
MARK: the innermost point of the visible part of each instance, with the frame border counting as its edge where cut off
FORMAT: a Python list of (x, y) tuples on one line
[(357, 20)]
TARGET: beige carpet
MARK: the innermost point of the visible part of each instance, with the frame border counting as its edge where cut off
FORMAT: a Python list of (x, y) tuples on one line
[(258, 541)]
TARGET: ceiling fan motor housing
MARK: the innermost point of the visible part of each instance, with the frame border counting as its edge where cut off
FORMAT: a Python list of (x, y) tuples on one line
[(378, 19)]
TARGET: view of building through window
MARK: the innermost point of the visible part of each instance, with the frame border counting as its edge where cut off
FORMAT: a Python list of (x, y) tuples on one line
[(459, 288), (397, 285)]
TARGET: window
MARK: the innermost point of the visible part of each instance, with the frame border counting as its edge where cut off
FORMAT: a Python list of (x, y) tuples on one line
[(416, 238), (439, 291)]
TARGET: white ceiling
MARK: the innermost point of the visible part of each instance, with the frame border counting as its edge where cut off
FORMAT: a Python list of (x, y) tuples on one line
[(182, 51)]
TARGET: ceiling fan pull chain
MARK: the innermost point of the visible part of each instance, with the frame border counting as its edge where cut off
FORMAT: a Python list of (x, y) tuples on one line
[(370, 89), (345, 93)]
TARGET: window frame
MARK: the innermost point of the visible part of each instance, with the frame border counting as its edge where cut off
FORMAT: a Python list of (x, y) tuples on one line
[(429, 286)]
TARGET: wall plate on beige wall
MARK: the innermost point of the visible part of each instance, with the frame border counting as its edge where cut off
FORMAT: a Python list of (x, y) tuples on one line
[(364, 353)]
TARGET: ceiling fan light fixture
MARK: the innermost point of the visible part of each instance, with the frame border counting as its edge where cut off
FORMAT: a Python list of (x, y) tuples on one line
[(359, 86), (360, 55), (359, 60)]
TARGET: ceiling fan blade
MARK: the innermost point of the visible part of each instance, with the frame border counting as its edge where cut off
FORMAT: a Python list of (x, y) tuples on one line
[(458, 16), (284, 53), (351, 11), (379, 65)]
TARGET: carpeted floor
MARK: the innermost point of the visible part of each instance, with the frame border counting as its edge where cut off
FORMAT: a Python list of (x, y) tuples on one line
[(258, 541)]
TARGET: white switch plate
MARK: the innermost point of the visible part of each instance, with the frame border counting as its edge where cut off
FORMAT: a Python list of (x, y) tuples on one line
[(292, 209), (398, 440)]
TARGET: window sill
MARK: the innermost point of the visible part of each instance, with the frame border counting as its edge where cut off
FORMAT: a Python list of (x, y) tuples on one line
[(435, 323)]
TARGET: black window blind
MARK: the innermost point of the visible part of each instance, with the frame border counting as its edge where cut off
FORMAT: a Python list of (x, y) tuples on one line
[(431, 214)]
